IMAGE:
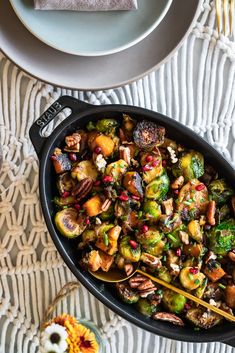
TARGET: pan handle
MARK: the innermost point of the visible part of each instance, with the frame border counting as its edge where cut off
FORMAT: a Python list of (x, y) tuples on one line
[(35, 132)]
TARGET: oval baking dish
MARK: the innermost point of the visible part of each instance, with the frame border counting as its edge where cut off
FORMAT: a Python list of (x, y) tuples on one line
[(81, 114)]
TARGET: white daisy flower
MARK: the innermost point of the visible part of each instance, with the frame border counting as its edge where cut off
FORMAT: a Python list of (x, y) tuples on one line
[(53, 339)]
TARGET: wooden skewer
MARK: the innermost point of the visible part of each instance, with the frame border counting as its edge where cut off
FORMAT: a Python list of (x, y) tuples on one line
[(189, 296)]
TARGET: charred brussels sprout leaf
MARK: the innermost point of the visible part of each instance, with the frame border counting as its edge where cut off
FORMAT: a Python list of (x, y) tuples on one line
[(148, 134), (145, 307), (65, 183), (190, 165), (222, 237), (127, 251), (158, 188), (172, 301), (220, 191), (126, 293)]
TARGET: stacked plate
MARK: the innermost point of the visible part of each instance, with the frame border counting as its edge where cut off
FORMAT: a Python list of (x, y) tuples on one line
[(93, 50)]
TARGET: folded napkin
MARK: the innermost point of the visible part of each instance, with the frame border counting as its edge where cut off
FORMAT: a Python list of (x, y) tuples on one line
[(86, 5)]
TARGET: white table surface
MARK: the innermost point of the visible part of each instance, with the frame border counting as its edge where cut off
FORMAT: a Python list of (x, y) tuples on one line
[(196, 87)]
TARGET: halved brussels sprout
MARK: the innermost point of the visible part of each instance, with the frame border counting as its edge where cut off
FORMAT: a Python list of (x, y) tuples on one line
[(127, 251), (116, 169), (149, 238), (65, 183), (199, 291), (127, 294), (202, 318), (220, 191), (107, 215), (222, 237), (158, 188), (164, 274), (107, 125), (83, 170), (167, 224), (192, 200), (145, 307), (190, 165), (64, 201), (156, 249), (173, 302), (191, 278), (69, 223), (132, 182), (148, 134), (152, 210)]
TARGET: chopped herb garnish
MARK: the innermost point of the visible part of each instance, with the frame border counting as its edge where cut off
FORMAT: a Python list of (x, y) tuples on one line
[(221, 286), (106, 239), (190, 276), (140, 214), (171, 236), (197, 281)]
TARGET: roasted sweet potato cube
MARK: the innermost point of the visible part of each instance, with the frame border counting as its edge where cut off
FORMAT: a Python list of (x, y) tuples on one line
[(93, 206), (107, 242), (214, 271), (106, 261)]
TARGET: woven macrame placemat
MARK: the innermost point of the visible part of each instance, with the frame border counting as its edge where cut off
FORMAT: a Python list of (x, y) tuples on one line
[(196, 87)]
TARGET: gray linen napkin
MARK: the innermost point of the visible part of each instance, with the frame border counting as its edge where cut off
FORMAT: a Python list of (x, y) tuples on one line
[(86, 5)]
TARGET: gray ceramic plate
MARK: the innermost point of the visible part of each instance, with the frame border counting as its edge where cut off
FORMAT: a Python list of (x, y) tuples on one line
[(93, 73), (92, 33)]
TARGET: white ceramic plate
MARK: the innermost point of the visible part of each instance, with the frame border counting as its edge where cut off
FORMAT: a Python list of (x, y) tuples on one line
[(92, 33), (94, 73)]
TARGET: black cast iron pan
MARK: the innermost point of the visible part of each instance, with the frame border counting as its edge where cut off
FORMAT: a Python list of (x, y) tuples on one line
[(81, 114)]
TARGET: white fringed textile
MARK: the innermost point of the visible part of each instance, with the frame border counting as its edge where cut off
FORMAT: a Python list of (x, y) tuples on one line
[(196, 87)]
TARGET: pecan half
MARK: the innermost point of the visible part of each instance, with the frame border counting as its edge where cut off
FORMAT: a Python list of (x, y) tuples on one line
[(105, 206), (135, 281), (151, 260), (128, 269), (82, 189), (73, 141), (125, 154), (178, 183), (145, 293), (231, 255), (175, 320), (211, 212), (147, 284), (184, 237)]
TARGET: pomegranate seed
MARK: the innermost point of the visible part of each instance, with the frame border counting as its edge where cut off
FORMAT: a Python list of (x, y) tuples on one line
[(149, 159), (164, 163), (97, 150), (72, 157), (123, 197), (97, 183), (187, 306), (107, 179), (193, 270), (176, 192), (155, 163), (77, 206), (145, 228), (133, 244), (65, 194), (147, 167), (178, 252), (88, 221), (134, 197), (200, 187), (53, 158)]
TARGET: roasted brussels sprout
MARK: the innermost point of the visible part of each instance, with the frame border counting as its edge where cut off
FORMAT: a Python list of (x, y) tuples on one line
[(83, 170), (65, 183), (69, 223), (222, 237), (220, 191), (116, 169), (192, 200), (155, 249), (202, 318), (152, 210), (158, 188), (64, 201), (164, 274), (107, 125), (199, 291), (148, 134), (173, 302), (107, 215), (195, 231), (129, 252), (152, 165), (149, 238), (190, 165), (88, 236), (145, 307), (132, 182), (191, 278), (90, 126), (127, 294)]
